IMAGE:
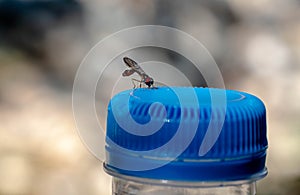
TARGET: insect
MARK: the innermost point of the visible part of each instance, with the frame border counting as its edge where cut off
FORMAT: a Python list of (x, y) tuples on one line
[(135, 68)]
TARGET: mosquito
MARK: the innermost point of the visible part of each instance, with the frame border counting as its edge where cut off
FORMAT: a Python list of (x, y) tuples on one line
[(135, 68)]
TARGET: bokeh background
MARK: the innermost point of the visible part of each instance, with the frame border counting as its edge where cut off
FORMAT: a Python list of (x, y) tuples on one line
[(256, 45)]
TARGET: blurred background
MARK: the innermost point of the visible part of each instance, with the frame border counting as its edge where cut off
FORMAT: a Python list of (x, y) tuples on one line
[(256, 45)]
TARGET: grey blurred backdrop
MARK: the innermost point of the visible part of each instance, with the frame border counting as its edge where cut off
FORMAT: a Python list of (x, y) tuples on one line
[(256, 45)]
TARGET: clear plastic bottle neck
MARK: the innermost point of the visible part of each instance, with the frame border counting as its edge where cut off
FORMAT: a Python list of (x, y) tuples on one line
[(140, 186)]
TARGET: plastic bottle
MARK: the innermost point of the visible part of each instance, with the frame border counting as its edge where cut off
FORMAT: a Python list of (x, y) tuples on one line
[(185, 141)]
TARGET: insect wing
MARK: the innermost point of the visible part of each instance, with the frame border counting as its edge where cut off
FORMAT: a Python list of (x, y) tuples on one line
[(128, 72), (134, 65), (130, 63)]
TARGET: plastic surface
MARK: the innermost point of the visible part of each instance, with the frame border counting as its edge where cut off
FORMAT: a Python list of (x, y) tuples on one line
[(239, 151), (126, 186)]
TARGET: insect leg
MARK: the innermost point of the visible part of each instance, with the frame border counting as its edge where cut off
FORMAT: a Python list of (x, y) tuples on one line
[(132, 80), (136, 81)]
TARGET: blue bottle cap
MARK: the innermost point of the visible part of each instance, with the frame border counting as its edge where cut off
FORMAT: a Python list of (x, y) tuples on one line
[(186, 134)]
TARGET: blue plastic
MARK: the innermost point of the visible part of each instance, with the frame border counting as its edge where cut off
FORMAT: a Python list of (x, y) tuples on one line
[(235, 151)]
